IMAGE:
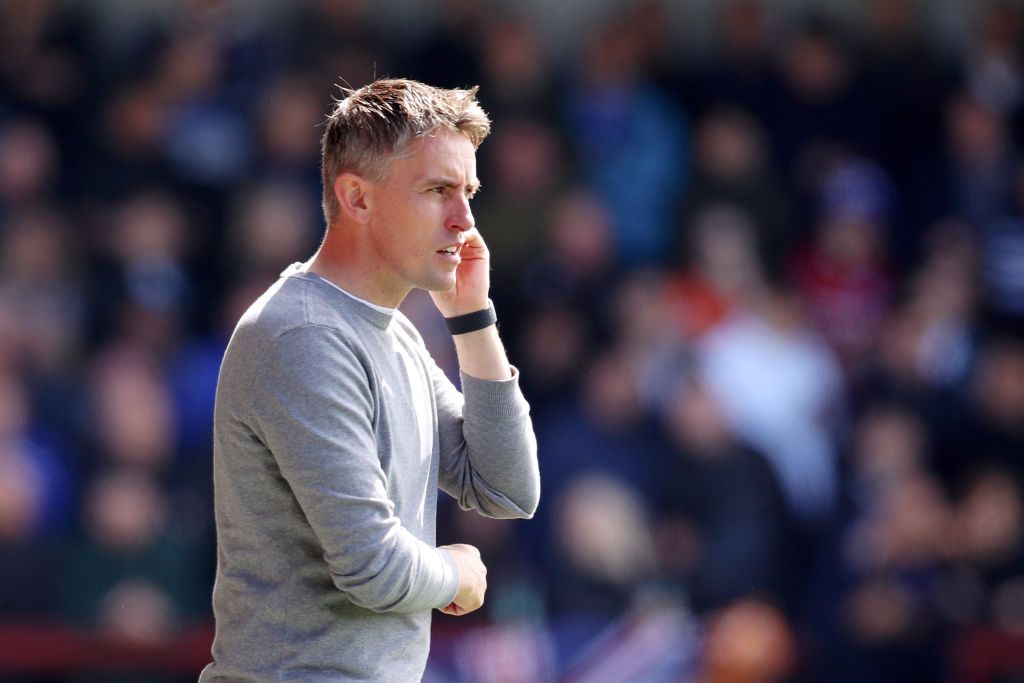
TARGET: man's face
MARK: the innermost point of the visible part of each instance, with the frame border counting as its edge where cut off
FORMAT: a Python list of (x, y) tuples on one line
[(420, 212)]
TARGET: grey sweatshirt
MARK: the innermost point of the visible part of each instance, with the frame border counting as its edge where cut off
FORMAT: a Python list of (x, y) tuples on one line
[(333, 430)]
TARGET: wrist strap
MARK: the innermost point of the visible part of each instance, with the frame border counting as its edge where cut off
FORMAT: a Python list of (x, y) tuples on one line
[(471, 322)]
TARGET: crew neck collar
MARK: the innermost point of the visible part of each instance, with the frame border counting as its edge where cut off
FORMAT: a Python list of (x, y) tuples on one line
[(380, 316)]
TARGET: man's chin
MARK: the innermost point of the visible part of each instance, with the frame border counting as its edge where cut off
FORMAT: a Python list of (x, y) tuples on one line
[(438, 287)]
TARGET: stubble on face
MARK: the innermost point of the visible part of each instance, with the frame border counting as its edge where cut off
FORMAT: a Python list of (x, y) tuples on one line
[(419, 209)]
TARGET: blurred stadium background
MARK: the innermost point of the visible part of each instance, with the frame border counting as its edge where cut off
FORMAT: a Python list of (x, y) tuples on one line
[(761, 265)]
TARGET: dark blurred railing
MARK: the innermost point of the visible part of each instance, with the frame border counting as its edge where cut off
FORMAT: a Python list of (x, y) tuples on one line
[(983, 655), (48, 649)]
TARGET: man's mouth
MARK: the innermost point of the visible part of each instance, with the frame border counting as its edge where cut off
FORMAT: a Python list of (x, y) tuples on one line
[(449, 250)]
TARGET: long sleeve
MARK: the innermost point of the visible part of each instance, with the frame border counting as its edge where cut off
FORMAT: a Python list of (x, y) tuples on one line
[(315, 413), (488, 448), (325, 465)]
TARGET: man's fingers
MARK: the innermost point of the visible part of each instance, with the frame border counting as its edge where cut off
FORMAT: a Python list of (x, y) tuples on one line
[(472, 579), (474, 241)]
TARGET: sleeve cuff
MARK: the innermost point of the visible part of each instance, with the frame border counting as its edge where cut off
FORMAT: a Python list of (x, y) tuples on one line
[(494, 398), (451, 579)]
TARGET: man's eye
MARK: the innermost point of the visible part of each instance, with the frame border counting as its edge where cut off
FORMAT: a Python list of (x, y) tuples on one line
[(439, 190)]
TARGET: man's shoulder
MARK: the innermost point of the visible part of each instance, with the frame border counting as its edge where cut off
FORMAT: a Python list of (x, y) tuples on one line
[(287, 330), (290, 304), (275, 312)]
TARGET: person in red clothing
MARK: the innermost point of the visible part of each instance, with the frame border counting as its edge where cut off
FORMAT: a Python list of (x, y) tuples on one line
[(842, 276)]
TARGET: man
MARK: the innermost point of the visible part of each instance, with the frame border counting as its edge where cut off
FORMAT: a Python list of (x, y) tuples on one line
[(333, 427)]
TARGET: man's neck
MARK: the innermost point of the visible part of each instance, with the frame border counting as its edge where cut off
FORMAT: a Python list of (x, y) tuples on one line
[(342, 261)]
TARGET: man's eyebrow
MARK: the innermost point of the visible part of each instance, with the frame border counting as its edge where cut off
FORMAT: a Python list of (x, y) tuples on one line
[(472, 187), (439, 181)]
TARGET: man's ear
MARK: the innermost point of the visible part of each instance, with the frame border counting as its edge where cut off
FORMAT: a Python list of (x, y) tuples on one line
[(352, 192)]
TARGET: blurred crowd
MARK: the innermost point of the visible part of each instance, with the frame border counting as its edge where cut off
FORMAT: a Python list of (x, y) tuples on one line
[(767, 301)]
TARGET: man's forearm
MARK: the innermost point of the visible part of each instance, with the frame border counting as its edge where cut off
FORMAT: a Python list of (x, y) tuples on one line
[(481, 354)]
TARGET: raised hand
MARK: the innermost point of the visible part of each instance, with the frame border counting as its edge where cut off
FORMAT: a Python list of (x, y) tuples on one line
[(472, 279)]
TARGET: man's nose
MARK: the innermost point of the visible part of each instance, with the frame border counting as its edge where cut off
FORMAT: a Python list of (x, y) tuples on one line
[(461, 216)]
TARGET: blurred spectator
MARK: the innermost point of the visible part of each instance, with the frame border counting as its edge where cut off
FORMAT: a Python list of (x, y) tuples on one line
[(133, 423), (994, 72), (902, 514), (34, 458), (843, 275), (723, 534), (631, 142), (560, 302), (515, 590), (447, 57), (944, 292), (131, 574), (506, 654), (731, 158), (603, 429), (743, 74), (206, 140), (142, 286), (603, 437), (927, 344), (643, 328), (749, 642), (44, 64), (29, 165), (27, 555), (287, 132), (604, 550), (791, 414), (879, 576), (516, 81), (131, 125), (41, 278), (576, 258), (986, 531), (192, 380), (273, 225), (972, 181), (890, 443), (820, 106), (1001, 247), (888, 626), (904, 78), (337, 40), (524, 169), (554, 348), (724, 274), (657, 642), (992, 431), (579, 242)]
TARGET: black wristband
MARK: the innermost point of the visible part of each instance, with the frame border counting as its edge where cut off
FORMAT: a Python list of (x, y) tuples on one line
[(471, 322)]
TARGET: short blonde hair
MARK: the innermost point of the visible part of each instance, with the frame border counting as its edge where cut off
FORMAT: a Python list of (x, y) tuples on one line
[(373, 125)]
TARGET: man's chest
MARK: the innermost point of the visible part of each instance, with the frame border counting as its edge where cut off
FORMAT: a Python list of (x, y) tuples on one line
[(407, 435)]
